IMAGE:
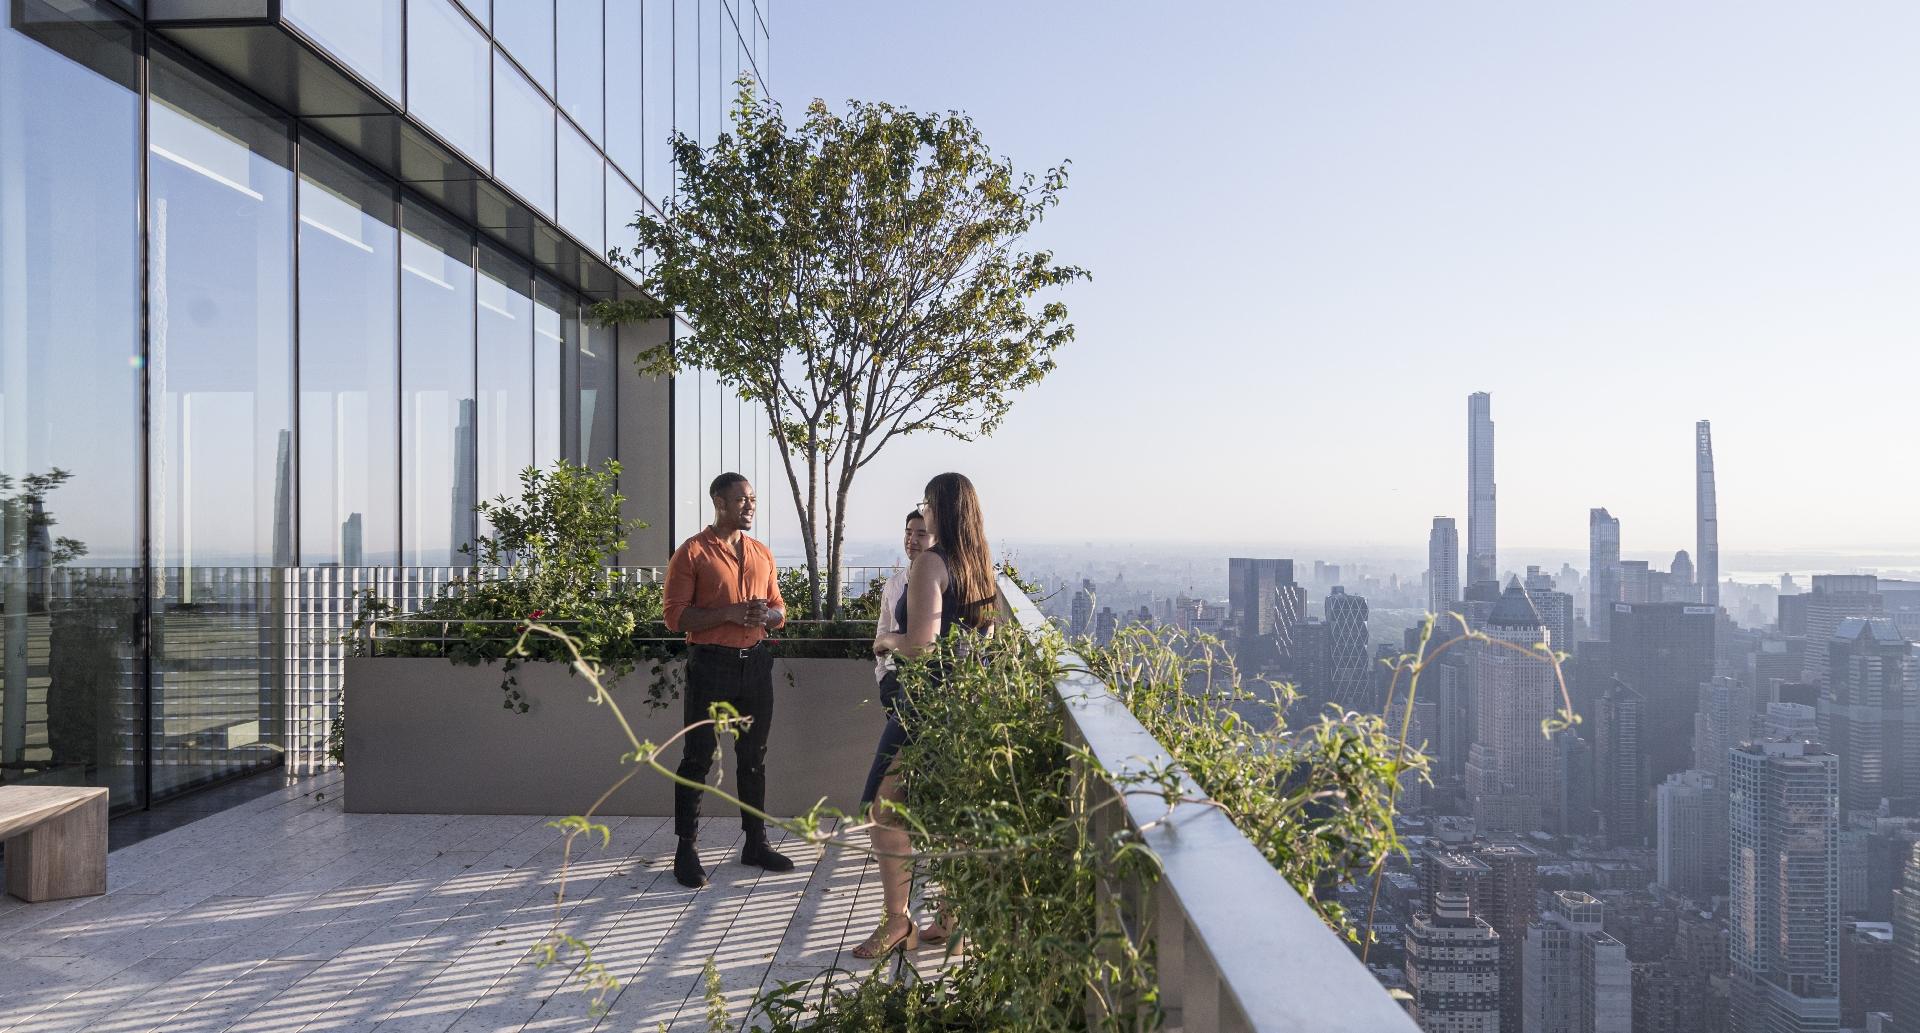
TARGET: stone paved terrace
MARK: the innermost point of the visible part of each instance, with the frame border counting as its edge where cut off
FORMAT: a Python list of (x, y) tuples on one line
[(286, 914)]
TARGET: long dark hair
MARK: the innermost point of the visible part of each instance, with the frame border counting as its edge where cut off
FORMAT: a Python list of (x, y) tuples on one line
[(963, 544)]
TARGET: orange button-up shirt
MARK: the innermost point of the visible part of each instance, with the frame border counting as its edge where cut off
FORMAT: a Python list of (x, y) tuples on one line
[(704, 572)]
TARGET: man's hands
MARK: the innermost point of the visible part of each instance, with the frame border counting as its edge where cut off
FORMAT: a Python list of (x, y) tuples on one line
[(754, 613)]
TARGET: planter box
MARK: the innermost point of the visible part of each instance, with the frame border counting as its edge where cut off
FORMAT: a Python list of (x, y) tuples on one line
[(426, 736)]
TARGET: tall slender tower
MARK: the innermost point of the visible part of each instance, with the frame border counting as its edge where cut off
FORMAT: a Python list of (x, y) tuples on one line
[(1706, 553), (1482, 564), (1443, 566), (1784, 876), (1603, 559)]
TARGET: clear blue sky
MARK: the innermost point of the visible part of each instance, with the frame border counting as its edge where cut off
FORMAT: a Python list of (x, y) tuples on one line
[(1314, 228)]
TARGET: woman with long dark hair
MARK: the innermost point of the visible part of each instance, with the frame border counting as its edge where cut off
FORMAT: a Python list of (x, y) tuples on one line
[(951, 585)]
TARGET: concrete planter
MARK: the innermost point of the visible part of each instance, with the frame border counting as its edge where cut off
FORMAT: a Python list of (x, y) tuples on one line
[(426, 736)]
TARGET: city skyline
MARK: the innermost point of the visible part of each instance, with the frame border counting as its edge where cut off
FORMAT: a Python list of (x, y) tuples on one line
[(1612, 272)]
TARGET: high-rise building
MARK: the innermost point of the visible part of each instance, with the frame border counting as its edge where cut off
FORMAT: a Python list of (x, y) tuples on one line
[(1691, 829), (1443, 566), (1603, 552), (1680, 578), (1508, 900), (1869, 713), (1706, 516), (1905, 980), (1453, 968), (1783, 878), (1664, 651), (1106, 624), (1637, 582), (1263, 604), (1578, 979), (1866, 971), (1724, 717), (1512, 776), (1555, 609), (1789, 722), (1834, 598), (1620, 765), (1081, 617), (338, 271), (1482, 560), (1349, 657)]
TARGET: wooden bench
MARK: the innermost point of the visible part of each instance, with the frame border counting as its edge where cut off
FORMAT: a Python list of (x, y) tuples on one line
[(56, 839)]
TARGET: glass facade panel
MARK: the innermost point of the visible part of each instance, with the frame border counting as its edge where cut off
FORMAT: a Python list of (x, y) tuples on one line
[(656, 99), (523, 129), (583, 207), (549, 347), (715, 38), (71, 581), (448, 76), (437, 473), (349, 365), (505, 374), (686, 68), (581, 89), (481, 10), (626, 79), (623, 202), (525, 28), (220, 406), (364, 34), (598, 365)]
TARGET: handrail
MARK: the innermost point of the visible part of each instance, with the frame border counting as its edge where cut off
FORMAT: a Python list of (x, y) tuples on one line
[(1238, 949)]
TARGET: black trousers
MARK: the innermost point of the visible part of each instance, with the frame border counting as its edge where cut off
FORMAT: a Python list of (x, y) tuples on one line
[(718, 674)]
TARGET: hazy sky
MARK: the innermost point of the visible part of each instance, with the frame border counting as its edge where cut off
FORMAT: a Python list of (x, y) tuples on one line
[(1314, 228)]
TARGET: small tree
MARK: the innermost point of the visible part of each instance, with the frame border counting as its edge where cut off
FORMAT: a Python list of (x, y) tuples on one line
[(857, 278)]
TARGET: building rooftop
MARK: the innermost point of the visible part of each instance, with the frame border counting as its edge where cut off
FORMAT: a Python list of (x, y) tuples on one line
[(287, 914)]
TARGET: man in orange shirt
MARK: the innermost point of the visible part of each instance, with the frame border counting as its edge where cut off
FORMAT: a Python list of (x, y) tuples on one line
[(723, 592)]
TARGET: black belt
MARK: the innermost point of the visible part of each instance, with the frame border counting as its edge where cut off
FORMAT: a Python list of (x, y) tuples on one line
[(729, 652)]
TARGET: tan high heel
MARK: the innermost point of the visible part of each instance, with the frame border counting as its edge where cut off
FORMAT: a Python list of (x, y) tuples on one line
[(878, 946)]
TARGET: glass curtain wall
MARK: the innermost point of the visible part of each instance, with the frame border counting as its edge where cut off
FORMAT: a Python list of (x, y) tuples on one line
[(349, 365), (220, 408), (437, 435), (71, 685), (505, 370), (549, 356)]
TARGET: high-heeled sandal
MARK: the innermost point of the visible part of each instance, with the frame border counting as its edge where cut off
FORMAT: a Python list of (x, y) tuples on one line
[(941, 928), (878, 946)]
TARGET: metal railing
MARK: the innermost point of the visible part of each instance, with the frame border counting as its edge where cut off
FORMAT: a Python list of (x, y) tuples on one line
[(1238, 949)]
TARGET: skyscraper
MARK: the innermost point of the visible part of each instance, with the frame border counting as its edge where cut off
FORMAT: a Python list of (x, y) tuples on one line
[(1682, 577), (1906, 945), (1081, 617), (1443, 567), (1348, 656), (1251, 587), (1453, 968), (1603, 558), (1707, 516), (1869, 713), (1482, 563), (1834, 598), (466, 483), (1578, 979), (1508, 901), (1512, 774), (1620, 765), (1691, 829), (1664, 651), (1784, 884), (353, 541), (1554, 607)]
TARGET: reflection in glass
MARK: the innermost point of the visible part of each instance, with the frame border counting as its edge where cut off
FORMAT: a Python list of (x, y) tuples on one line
[(713, 43), (447, 70), (581, 88), (596, 362), (583, 211), (481, 9), (505, 373), (349, 390), (626, 74), (657, 99), (686, 70), (691, 473), (438, 490), (549, 305), (525, 28), (220, 415), (70, 577), (523, 127), (362, 34)]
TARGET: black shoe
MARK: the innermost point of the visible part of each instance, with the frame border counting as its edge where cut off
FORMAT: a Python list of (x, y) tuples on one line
[(760, 855), (686, 865)]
